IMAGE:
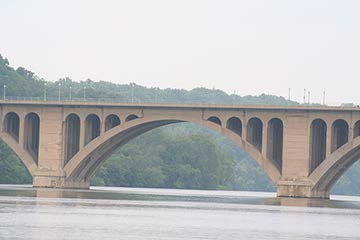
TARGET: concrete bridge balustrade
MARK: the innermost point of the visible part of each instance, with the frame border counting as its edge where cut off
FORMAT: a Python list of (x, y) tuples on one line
[(303, 150)]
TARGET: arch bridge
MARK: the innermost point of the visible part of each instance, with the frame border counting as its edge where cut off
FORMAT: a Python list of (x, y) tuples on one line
[(304, 150)]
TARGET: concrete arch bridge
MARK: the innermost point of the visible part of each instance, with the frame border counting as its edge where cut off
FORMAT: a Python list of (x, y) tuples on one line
[(304, 150)]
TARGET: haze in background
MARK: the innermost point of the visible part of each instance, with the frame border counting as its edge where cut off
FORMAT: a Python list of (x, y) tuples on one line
[(250, 47)]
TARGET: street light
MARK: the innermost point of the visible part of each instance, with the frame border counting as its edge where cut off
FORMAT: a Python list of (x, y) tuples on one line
[(44, 91), (4, 92), (132, 92), (234, 98), (156, 95), (59, 96), (70, 93), (213, 95), (84, 93)]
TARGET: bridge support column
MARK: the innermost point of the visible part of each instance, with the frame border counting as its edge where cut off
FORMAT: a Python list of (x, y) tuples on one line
[(57, 179), (49, 172), (299, 188)]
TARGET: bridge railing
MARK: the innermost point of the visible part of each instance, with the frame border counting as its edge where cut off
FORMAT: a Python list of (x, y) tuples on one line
[(126, 100)]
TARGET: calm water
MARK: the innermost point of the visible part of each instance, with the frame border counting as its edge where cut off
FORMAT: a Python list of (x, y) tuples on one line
[(123, 213)]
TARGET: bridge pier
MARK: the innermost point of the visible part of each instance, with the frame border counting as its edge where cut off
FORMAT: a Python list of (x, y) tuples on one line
[(299, 188), (57, 179)]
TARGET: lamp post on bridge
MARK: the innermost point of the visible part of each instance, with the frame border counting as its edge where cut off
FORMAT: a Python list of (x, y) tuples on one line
[(70, 93), (234, 98), (4, 93), (59, 96), (213, 95), (44, 91), (156, 96), (84, 93), (132, 92)]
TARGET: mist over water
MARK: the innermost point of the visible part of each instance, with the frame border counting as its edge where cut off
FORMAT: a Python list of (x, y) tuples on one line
[(135, 213)]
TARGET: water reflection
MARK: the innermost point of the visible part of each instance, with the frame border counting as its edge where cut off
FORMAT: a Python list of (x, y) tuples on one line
[(171, 195)]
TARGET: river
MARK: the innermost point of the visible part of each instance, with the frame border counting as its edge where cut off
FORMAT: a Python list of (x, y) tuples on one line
[(135, 213)]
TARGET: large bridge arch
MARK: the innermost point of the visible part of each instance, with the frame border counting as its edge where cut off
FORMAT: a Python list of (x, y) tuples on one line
[(334, 166), (88, 159), (10, 135), (21, 153)]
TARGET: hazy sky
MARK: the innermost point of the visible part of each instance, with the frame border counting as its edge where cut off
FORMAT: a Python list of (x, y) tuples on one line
[(250, 47)]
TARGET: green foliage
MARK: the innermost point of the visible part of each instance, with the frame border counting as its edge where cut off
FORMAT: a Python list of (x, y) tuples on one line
[(183, 155), (348, 184), (12, 169)]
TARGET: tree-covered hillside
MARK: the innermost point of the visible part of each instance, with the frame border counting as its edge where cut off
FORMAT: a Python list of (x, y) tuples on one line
[(176, 156)]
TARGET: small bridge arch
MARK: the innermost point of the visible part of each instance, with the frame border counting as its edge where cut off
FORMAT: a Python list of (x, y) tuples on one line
[(356, 129), (12, 125), (32, 134), (275, 141), (254, 132), (234, 124)]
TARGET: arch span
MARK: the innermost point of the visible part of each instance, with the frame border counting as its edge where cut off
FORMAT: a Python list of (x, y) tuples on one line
[(85, 163), (23, 154), (334, 166)]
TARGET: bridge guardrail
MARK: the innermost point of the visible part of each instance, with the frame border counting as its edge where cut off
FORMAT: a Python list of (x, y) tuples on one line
[(137, 101)]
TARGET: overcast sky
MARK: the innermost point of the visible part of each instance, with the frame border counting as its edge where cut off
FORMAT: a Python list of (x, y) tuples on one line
[(250, 47)]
